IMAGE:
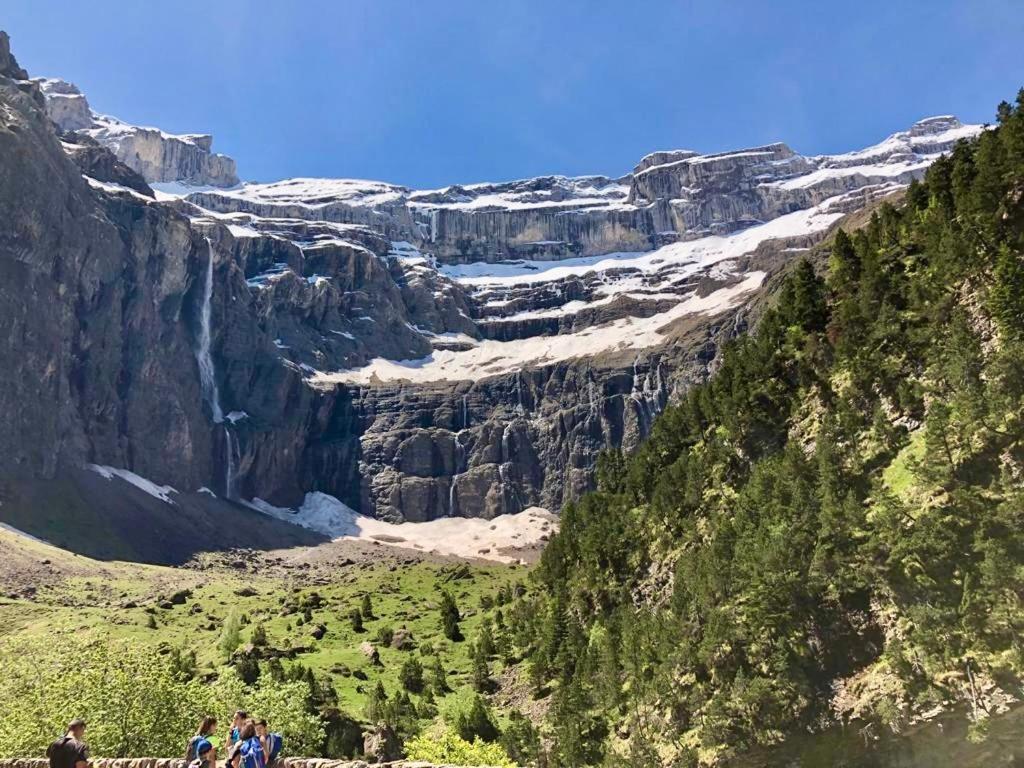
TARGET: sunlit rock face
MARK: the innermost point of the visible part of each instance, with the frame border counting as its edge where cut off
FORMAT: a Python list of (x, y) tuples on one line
[(154, 154), (414, 353)]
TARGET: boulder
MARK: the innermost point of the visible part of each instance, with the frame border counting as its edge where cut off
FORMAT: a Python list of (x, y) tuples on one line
[(382, 745)]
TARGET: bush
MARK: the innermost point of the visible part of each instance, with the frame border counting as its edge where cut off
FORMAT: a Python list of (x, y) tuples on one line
[(444, 747), (259, 635), (137, 703), (134, 702)]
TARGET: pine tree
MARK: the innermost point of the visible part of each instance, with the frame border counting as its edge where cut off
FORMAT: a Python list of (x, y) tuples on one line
[(450, 617), (1007, 293), (520, 740), (485, 640), (481, 671), (411, 675), (478, 722), (376, 704), (366, 609), (356, 620), (231, 635), (438, 677)]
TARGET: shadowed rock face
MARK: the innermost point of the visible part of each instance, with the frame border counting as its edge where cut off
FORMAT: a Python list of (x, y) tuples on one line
[(464, 351)]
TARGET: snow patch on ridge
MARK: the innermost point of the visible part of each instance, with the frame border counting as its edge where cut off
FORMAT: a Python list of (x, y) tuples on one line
[(491, 357), (692, 254), (162, 492), (456, 536)]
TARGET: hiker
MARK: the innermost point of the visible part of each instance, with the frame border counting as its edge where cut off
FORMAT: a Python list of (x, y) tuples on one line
[(70, 751), (247, 752), (206, 756), (271, 742), (202, 739), (236, 726)]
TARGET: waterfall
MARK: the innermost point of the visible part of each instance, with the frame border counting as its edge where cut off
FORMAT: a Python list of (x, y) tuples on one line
[(458, 469), (506, 443), (452, 497), (465, 412), (509, 491), (208, 377), (641, 395), (647, 393), (231, 449), (502, 477), (207, 374), (460, 454)]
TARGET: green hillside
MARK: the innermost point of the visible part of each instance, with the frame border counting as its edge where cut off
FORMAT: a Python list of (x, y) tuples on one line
[(831, 529), (143, 651)]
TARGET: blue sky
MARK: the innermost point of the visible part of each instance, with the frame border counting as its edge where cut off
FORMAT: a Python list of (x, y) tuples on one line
[(432, 92)]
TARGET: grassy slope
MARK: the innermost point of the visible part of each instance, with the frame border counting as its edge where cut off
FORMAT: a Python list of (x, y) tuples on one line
[(74, 593)]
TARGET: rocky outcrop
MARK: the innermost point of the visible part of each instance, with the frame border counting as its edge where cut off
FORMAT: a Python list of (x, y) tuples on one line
[(8, 64), (155, 155), (100, 164)]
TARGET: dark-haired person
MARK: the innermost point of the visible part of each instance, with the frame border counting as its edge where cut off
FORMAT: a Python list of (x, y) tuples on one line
[(271, 742), (247, 752), (206, 756), (236, 726), (70, 751), (207, 728)]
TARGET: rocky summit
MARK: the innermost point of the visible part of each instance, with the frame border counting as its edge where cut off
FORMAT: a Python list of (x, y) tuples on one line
[(415, 354)]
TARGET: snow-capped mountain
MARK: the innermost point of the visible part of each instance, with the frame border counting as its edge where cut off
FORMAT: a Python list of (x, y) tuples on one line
[(415, 353)]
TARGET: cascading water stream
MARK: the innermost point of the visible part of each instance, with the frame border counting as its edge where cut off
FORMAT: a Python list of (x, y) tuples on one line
[(231, 447), (208, 374)]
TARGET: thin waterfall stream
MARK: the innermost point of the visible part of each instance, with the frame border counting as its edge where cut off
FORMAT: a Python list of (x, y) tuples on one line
[(208, 375)]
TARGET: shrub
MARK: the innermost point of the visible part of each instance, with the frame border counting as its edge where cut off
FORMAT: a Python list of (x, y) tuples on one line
[(445, 747)]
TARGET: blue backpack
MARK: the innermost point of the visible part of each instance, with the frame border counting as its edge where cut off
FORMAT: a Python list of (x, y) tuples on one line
[(275, 742), (195, 746), (252, 754)]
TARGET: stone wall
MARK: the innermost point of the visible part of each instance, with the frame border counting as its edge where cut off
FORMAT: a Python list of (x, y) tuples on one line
[(168, 762)]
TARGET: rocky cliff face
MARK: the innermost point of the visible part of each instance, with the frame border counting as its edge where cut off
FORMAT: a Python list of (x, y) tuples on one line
[(466, 351), (668, 197), (154, 154)]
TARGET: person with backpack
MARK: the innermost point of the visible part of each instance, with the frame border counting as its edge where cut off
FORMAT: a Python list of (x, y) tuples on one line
[(247, 752), (206, 756), (70, 751), (236, 726), (201, 740), (271, 742)]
